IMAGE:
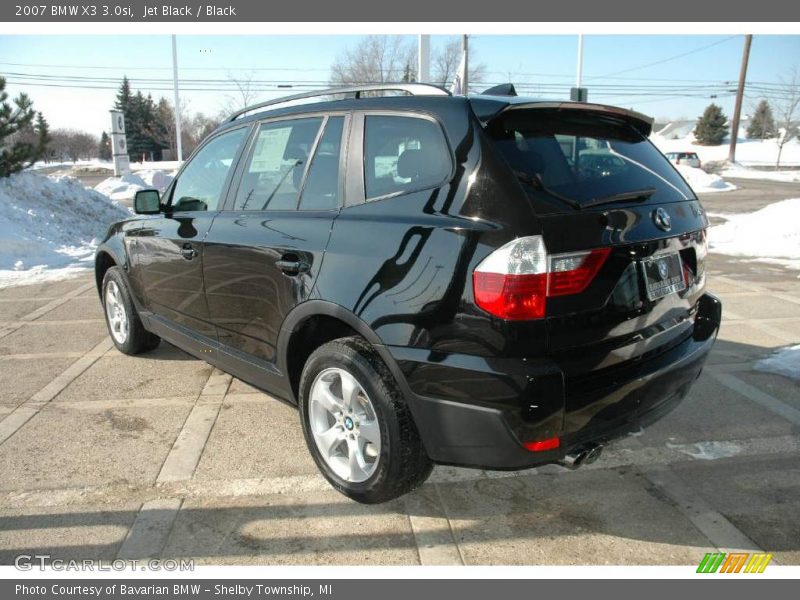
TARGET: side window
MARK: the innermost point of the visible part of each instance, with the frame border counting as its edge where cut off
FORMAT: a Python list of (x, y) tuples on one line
[(403, 154), (199, 186), (275, 169), (321, 190)]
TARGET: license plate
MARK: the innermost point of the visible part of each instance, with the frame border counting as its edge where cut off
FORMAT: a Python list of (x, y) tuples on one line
[(663, 275)]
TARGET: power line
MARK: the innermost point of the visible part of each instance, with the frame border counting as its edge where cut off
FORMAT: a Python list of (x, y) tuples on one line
[(671, 58)]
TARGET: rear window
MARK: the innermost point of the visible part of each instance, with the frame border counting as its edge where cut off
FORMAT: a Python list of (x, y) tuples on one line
[(403, 154), (569, 158)]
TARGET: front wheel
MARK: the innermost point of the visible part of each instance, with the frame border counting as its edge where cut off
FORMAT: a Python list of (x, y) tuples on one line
[(357, 424), (124, 324)]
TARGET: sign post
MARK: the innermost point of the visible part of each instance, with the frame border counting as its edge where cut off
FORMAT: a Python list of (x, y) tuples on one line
[(119, 145)]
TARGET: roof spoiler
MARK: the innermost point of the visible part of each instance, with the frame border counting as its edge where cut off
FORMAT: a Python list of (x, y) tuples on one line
[(642, 123)]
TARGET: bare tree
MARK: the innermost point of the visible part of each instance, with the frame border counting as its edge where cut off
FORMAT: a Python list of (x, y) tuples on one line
[(786, 104), (447, 61), (376, 59), (69, 144), (245, 92), (195, 127)]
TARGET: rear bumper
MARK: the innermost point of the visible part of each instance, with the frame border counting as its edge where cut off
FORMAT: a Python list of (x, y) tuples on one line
[(473, 411)]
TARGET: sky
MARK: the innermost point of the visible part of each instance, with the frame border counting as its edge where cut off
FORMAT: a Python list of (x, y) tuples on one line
[(669, 77)]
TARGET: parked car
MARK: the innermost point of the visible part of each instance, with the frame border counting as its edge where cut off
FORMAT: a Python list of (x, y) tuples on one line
[(690, 159), (428, 278)]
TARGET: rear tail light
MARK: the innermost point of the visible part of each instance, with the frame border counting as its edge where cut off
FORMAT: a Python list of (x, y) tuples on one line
[(514, 281), (572, 273), (511, 283), (701, 252)]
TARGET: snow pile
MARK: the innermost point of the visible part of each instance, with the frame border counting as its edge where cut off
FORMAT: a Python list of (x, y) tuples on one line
[(741, 172), (702, 182), (748, 152), (785, 361), (125, 187), (163, 165), (49, 226), (771, 234)]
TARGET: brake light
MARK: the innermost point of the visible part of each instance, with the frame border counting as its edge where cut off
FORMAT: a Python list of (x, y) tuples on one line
[(514, 281)]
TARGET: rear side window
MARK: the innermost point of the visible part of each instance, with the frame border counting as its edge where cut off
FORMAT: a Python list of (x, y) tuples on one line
[(403, 154), (321, 189), (275, 169), (565, 158)]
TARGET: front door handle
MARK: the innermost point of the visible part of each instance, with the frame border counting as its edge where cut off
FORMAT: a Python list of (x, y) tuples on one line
[(188, 252), (291, 265)]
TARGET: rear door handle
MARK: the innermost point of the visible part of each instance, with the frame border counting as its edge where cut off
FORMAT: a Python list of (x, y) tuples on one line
[(291, 267), (188, 252)]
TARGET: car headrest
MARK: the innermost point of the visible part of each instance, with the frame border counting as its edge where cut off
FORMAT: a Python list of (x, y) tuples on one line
[(412, 164)]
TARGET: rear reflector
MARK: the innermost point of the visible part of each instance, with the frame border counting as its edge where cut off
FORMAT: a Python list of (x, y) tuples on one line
[(514, 281), (542, 445)]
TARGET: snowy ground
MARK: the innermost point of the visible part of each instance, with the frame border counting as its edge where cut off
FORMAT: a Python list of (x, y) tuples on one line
[(785, 361), (749, 153), (49, 227), (742, 172), (165, 165), (125, 187), (702, 182), (771, 234)]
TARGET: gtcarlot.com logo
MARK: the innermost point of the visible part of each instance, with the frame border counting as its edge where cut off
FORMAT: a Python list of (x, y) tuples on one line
[(734, 562), (28, 562)]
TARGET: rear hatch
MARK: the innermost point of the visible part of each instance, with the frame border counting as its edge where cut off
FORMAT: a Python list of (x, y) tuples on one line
[(596, 182)]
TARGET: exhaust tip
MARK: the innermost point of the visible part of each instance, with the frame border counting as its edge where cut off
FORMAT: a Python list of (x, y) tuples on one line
[(585, 455)]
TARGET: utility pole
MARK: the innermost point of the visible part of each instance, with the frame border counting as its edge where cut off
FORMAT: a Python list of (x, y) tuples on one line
[(737, 111), (424, 58), (177, 98), (465, 75), (579, 94)]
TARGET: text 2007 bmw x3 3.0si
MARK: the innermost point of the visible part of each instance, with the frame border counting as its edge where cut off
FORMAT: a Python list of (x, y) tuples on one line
[(491, 281)]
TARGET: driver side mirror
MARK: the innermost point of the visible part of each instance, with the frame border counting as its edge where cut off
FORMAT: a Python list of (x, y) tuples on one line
[(147, 202)]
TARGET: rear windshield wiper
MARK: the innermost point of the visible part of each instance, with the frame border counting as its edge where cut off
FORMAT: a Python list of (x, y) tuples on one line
[(642, 194), (535, 181)]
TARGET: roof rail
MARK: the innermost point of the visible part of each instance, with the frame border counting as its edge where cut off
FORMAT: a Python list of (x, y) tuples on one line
[(412, 89)]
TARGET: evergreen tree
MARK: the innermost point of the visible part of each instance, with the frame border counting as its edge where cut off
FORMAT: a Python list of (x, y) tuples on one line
[(762, 125), (42, 131), (104, 148), (123, 95), (20, 143), (712, 126)]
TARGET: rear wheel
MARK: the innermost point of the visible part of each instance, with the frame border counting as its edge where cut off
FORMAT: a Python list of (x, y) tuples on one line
[(124, 324), (357, 425)]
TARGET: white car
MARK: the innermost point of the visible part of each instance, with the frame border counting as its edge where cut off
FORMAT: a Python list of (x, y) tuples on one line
[(690, 159)]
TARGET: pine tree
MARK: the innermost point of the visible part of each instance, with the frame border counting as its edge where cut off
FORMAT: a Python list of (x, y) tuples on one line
[(104, 148), (20, 143), (712, 126), (762, 125), (42, 131), (123, 95)]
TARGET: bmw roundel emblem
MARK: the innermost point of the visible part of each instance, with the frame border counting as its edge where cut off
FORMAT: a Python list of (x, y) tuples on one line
[(663, 269), (662, 219)]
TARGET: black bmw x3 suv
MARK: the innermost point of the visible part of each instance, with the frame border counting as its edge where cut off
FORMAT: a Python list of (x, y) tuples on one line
[(485, 281)]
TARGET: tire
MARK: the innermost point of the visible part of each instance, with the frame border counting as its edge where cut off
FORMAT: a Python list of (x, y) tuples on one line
[(123, 322), (400, 464)]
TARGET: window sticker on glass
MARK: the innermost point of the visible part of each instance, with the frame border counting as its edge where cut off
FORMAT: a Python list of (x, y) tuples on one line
[(268, 153)]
